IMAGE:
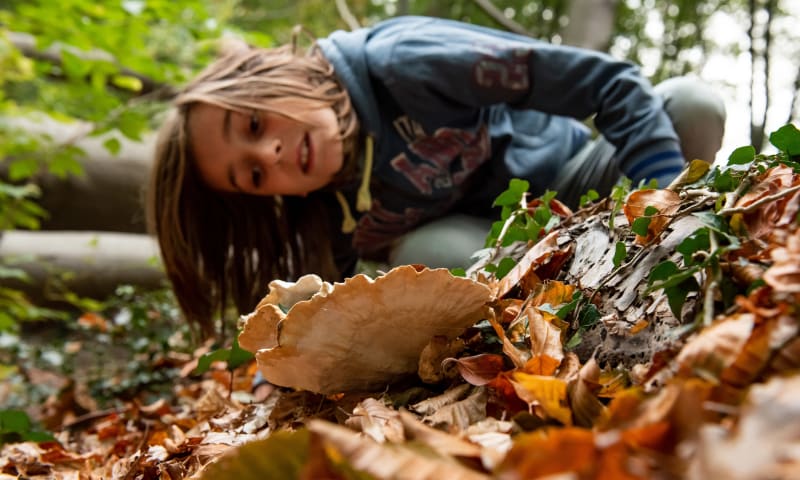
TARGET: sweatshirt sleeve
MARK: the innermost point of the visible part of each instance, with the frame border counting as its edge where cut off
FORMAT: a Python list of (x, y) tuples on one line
[(444, 72)]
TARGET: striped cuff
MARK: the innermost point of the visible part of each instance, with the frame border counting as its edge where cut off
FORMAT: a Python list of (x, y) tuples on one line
[(664, 166)]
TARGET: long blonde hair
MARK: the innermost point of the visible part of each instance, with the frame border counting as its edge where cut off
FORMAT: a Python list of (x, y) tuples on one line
[(218, 247)]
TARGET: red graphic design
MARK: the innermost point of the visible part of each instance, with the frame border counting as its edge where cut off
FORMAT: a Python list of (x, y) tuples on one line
[(440, 150)]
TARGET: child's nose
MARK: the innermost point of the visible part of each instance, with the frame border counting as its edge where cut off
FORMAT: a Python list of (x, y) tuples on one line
[(271, 151)]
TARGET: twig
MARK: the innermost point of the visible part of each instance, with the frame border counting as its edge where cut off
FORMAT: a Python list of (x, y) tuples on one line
[(494, 12), (347, 15), (760, 202), (711, 285)]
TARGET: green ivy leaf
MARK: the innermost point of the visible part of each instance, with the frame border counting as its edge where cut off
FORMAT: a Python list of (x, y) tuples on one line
[(620, 252), (676, 295), (204, 362), (458, 272), (513, 195), (505, 266), (588, 316), (568, 308), (742, 155), (723, 181), (639, 226), (786, 139), (662, 271), (696, 242)]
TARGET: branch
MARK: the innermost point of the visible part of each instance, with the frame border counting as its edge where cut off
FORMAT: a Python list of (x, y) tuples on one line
[(347, 15), (498, 17), (26, 44), (760, 202)]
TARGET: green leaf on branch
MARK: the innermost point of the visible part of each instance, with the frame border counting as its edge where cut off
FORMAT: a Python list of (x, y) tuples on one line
[(588, 197), (16, 426), (505, 266), (742, 155), (513, 195), (676, 295), (640, 225), (786, 139)]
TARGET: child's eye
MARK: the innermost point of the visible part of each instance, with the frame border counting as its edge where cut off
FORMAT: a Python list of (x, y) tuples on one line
[(256, 176), (255, 123)]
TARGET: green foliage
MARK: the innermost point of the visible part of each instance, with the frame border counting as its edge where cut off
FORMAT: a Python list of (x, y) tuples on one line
[(234, 357), (588, 197), (16, 426), (519, 221)]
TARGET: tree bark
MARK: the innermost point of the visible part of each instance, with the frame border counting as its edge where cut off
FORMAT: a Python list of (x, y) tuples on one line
[(109, 194), (89, 264)]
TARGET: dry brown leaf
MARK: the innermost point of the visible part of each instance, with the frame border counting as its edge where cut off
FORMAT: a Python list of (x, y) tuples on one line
[(375, 419), (587, 410), (518, 357), (432, 366), (784, 274), (716, 347), (666, 202), (460, 415), (526, 267), (775, 214), (443, 443), (390, 461), (449, 397), (366, 333), (545, 337), (763, 444)]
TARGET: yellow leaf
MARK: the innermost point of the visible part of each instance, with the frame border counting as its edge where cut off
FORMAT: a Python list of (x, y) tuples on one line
[(548, 392)]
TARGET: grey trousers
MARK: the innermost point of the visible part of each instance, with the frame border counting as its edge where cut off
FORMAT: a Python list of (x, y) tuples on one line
[(698, 115)]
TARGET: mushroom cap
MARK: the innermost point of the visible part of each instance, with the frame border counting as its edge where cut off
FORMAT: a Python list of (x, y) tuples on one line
[(364, 333)]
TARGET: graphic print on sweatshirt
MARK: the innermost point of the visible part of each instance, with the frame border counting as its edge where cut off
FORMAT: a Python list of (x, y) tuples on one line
[(440, 162)]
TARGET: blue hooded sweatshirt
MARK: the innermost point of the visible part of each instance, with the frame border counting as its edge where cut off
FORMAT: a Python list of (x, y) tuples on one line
[(457, 110)]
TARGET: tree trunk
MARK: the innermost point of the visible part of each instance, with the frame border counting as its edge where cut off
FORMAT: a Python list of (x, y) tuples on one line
[(108, 196), (89, 264)]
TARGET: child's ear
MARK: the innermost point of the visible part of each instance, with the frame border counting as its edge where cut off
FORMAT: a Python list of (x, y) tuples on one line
[(231, 46)]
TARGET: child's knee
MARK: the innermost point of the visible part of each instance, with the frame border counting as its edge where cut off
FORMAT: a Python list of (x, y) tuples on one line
[(697, 113)]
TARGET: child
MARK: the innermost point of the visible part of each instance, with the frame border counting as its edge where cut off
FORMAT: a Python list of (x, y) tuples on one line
[(277, 163)]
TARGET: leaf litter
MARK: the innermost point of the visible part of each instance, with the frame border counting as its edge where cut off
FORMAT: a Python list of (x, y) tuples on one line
[(572, 365)]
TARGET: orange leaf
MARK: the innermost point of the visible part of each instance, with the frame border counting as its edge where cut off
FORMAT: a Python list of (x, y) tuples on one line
[(541, 454), (666, 202), (479, 369), (541, 365)]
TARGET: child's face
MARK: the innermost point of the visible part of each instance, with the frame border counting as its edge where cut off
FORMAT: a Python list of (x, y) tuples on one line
[(264, 153)]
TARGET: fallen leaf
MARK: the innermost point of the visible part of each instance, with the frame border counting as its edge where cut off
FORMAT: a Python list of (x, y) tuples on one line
[(460, 415), (582, 393), (666, 203), (716, 347), (389, 461), (480, 369), (432, 365), (549, 393)]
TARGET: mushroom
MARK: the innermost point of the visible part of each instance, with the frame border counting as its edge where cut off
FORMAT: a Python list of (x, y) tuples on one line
[(360, 334)]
